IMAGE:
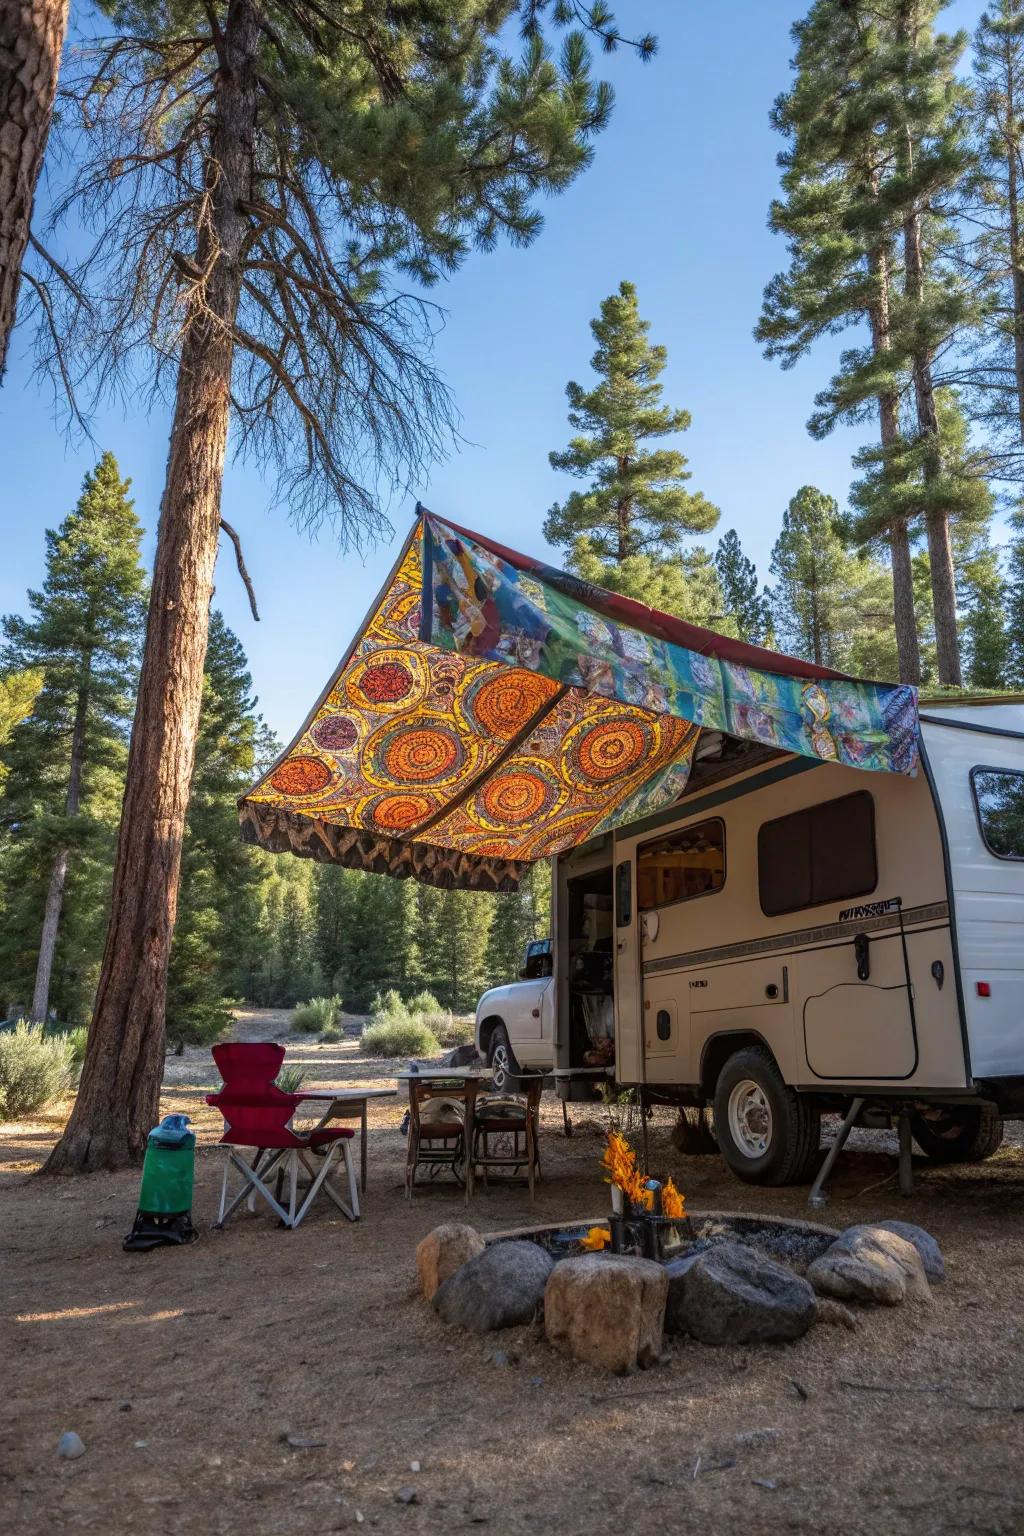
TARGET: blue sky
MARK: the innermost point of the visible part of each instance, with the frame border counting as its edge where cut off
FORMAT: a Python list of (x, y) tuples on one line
[(676, 201)]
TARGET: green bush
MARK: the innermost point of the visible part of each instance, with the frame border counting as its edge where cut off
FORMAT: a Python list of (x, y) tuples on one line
[(331, 1034), (290, 1079), (392, 1035), (423, 1002), (34, 1069), (390, 1005), (451, 1029), (76, 1042), (318, 1014)]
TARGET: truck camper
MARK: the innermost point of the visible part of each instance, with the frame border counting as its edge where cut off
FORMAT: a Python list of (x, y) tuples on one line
[(792, 935)]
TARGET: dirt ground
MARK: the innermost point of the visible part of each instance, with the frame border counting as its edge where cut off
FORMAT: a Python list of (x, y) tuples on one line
[(185, 1370)]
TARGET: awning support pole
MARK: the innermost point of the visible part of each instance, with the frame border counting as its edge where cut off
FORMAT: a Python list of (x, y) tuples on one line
[(817, 1197)]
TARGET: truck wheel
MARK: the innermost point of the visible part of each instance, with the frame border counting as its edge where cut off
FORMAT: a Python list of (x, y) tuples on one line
[(964, 1135), (501, 1059), (768, 1134)]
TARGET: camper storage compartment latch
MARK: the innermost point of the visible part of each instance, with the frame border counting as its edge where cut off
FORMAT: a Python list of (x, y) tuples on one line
[(862, 949)]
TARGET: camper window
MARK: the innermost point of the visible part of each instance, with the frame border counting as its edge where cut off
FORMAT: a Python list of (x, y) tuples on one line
[(824, 853), (681, 865), (999, 801)]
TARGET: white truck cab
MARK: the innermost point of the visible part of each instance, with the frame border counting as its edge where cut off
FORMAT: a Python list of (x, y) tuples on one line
[(515, 1024)]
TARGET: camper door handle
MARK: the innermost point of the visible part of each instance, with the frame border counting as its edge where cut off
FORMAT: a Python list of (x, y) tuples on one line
[(771, 990)]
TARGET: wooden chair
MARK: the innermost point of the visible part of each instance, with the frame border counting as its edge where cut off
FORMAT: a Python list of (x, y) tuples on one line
[(505, 1135), (438, 1119)]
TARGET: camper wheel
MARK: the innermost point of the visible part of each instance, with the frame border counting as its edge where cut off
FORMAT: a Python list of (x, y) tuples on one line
[(967, 1134), (768, 1133)]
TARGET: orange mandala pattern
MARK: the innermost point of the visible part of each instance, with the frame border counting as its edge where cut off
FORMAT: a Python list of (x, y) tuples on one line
[(516, 797), (301, 776), (420, 755), (398, 813), (609, 750), (505, 704)]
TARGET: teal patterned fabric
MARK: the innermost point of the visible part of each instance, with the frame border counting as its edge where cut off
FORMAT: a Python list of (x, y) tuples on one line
[(478, 604)]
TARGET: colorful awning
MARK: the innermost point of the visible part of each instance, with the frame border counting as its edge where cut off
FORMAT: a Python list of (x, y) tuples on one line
[(494, 711)]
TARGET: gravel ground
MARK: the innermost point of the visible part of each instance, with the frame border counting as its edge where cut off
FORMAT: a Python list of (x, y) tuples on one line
[(185, 1371)]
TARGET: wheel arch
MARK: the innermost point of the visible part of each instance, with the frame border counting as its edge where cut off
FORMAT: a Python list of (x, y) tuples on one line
[(485, 1031), (719, 1047)]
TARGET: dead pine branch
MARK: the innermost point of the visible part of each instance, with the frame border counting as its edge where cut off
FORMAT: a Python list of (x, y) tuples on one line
[(242, 571)]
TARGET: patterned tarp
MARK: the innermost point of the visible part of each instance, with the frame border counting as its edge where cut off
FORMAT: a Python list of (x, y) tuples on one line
[(494, 711)]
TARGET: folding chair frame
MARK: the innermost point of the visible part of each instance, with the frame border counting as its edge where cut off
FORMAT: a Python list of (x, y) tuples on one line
[(284, 1161)]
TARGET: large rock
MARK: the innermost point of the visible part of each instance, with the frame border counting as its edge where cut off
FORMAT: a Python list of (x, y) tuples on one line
[(607, 1310), (927, 1247), (731, 1294), (500, 1288), (871, 1264), (443, 1251)]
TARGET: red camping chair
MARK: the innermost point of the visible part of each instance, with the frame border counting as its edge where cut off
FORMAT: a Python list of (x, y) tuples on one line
[(256, 1114)]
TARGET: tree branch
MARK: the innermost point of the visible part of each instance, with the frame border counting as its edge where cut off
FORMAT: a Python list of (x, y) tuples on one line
[(240, 558)]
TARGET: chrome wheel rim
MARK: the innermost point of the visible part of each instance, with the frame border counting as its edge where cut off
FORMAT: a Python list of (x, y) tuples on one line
[(750, 1118), (500, 1065)]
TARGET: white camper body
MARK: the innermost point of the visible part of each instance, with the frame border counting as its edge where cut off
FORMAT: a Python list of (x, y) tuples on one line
[(794, 935)]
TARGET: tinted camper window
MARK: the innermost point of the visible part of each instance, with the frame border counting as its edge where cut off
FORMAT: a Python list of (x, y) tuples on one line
[(680, 865), (825, 853), (999, 801)]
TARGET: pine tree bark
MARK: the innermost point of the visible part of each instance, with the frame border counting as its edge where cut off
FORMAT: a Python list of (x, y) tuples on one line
[(940, 549), (58, 878), (907, 648), (1013, 148), (118, 1099), (31, 40)]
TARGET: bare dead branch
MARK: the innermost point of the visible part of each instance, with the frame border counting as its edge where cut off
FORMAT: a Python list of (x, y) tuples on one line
[(242, 571)]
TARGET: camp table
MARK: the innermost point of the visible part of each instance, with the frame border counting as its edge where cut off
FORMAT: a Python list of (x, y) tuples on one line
[(346, 1104)]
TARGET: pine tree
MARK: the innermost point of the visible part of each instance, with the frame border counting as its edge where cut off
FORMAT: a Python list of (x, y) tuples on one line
[(877, 156), (518, 917), (218, 899), (982, 599), (741, 593), (829, 605), (810, 563), (18, 693), (1014, 598), (686, 584), (452, 934), (994, 373), (636, 505), (842, 252), (932, 159), (66, 761), (251, 171)]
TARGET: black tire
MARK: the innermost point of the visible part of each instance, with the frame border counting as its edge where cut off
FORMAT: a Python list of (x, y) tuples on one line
[(791, 1129), (967, 1134), (501, 1059)]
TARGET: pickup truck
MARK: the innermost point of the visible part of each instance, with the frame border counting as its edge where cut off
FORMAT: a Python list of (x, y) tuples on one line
[(515, 1024)]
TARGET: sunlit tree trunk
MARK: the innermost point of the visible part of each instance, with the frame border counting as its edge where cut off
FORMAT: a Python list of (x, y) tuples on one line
[(118, 1100), (31, 40)]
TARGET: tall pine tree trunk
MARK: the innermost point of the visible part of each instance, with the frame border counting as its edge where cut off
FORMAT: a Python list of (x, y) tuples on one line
[(1013, 148), (31, 40), (940, 549), (118, 1100), (907, 648), (58, 878)]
